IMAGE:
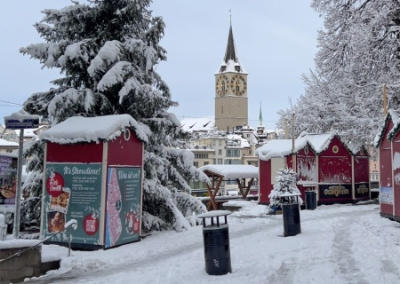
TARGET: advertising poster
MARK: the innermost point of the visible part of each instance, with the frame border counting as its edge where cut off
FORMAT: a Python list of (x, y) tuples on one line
[(8, 180), (386, 195), (73, 191), (335, 191), (123, 206)]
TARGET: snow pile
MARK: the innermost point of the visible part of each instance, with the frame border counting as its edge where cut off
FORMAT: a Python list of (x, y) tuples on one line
[(248, 208), (92, 129)]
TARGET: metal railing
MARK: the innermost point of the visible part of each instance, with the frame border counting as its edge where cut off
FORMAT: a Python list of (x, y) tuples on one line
[(67, 228)]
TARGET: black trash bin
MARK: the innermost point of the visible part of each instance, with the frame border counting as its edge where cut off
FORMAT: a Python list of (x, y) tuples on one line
[(311, 200), (217, 254), (291, 214)]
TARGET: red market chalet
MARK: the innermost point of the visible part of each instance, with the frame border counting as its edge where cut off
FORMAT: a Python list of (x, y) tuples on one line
[(338, 173)]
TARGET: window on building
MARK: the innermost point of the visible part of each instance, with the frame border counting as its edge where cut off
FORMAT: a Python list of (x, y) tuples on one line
[(374, 177), (201, 156), (206, 163), (232, 162), (250, 152), (220, 152), (8, 151), (233, 153), (220, 162), (196, 164)]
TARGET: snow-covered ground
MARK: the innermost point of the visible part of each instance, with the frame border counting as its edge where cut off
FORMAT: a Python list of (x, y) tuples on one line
[(338, 244)]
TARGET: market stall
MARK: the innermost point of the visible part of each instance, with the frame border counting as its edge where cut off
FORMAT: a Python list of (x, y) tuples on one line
[(93, 174)]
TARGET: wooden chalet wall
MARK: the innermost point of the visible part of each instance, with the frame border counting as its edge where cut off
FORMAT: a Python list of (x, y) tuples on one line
[(361, 176), (264, 181), (396, 175), (306, 164), (335, 173), (386, 182)]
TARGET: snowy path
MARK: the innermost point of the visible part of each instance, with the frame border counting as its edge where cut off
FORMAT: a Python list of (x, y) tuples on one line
[(335, 241)]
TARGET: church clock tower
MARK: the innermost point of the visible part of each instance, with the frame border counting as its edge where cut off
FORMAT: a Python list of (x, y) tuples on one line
[(231, 99)]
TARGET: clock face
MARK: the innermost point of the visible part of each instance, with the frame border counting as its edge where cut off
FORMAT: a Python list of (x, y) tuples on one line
[(221, 88), (238, 85)]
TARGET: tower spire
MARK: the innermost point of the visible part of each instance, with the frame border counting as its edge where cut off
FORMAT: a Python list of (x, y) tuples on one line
[(230, 53), (260, 116)]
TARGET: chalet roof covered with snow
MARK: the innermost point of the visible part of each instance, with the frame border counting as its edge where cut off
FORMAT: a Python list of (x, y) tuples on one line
[(232, 171), (92, 129), (198, 124), (318, 142), (395, 117), (275, 148), (283, 147)]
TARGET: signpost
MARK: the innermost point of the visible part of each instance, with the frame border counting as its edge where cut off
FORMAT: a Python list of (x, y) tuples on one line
[(17, 124), (20, 120)]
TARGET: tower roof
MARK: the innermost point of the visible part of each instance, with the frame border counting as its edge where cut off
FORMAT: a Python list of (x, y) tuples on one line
[(230, 53), (231, 61)]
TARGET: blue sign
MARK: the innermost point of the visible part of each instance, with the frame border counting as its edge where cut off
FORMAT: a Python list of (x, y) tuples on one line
[(26, 123)]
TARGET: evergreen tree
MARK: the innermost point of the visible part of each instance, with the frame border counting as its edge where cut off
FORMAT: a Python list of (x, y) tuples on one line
[(106, 51), (285, 182)]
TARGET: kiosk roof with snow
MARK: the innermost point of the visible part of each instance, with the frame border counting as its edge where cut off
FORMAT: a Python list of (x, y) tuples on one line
[(92, 129)]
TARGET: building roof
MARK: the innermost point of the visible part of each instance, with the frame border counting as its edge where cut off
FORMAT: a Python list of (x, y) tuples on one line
[(230, 53), (6, 143), (231, 60), (198, 124)]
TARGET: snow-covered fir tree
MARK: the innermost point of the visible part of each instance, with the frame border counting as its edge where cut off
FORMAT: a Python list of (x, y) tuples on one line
[(285, 182), (106, 51)]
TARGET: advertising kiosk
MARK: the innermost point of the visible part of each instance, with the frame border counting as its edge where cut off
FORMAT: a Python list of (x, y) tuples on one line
[(93, 174)]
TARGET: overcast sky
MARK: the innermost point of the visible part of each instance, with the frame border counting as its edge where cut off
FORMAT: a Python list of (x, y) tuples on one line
[(275, 42)]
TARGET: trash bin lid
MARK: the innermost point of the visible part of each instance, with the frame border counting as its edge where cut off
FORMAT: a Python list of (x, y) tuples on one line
[(287, 194), (215, 213)]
